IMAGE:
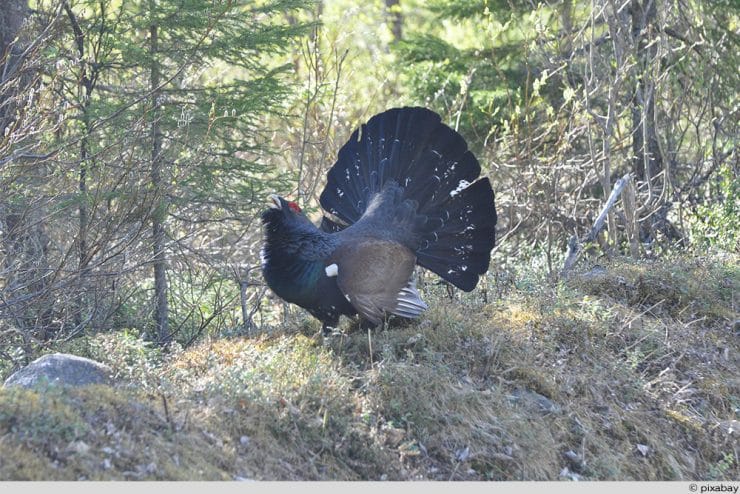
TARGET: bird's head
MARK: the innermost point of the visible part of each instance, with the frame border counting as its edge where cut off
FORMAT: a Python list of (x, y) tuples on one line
[(282, 213)]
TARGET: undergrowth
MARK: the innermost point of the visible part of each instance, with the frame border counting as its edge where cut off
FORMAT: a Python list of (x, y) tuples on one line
[(624, 371)]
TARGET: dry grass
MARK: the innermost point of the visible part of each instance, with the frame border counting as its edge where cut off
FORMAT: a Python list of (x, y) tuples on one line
[(629, 371), (98, 433)]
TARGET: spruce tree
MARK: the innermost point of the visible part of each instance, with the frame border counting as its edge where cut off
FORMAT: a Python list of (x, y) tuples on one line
[(470, 61), (162, 148)]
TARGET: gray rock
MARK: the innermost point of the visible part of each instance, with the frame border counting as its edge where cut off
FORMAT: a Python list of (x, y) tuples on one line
[(61, 369), (567, 474), (528, 397), (595, 272)]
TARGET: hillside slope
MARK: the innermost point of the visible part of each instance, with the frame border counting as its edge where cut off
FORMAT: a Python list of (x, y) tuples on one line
[(627, 371)]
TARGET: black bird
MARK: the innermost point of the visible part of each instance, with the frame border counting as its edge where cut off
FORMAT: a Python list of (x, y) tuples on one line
[(405, 190)]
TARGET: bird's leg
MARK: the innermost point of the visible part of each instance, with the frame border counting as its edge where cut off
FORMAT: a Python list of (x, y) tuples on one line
[(366, 325), (329, 326), (326, 330)]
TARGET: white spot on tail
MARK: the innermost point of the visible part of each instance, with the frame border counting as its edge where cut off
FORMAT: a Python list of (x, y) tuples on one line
[(331, 270), (464, 184)]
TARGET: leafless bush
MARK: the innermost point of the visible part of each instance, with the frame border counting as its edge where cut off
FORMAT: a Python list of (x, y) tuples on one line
[(618, 87)]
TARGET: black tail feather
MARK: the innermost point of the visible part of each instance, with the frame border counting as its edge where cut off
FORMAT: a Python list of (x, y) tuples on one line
[(460, 250), (412, 147)]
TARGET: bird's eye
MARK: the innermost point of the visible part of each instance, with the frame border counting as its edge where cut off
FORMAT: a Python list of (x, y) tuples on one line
[(294, 206)]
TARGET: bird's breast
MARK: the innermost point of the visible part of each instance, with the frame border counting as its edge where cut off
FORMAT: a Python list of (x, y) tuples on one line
[(292, 279)]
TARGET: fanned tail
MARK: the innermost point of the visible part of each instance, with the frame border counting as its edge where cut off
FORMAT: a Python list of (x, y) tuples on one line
[(412, 147)]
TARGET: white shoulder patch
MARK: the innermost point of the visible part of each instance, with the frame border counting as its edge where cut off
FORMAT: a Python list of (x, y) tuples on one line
[(331, 270)]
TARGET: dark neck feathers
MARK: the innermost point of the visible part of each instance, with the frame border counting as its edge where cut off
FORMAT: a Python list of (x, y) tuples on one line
[(297, 238), (293, 255)]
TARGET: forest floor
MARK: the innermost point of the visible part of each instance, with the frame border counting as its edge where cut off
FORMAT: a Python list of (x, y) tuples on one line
[(624, 371)]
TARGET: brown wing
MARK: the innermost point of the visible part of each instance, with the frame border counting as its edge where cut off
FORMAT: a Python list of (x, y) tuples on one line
[(372, 273)]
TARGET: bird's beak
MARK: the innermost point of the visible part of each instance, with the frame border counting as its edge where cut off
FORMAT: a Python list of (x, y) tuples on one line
[(275, 202)]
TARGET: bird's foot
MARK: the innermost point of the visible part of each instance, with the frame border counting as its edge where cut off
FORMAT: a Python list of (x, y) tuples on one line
[(329, 331)]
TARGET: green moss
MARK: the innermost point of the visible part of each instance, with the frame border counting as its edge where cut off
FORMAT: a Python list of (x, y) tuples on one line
[(683, 288), (39, 418)]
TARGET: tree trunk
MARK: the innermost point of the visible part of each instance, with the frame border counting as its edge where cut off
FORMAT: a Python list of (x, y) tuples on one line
[(395, 18), (647, 161), (84, 93), (243, 285), (24, 257), (158, 218), (632, 226), (566, 19), (12, 15)]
